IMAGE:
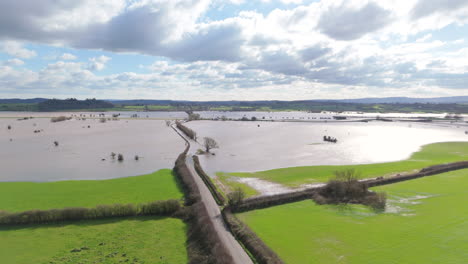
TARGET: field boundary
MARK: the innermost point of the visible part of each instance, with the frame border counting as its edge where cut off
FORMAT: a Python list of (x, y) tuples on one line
[(296, 196), (219, 198), (156, 208), (203, 242), (259, 250)]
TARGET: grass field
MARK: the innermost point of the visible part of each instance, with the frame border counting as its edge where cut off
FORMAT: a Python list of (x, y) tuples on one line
[(426, 222), (432, 154), (21, 196), (147, 240)]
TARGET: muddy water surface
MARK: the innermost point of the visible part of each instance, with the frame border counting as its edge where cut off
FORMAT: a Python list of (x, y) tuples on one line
[(83, 153)]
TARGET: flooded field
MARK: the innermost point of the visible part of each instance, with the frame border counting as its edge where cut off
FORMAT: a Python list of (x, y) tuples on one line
[(257, 146), (84, 148)]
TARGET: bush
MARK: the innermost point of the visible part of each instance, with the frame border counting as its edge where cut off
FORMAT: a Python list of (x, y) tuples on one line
[(236, 197), (59, 119)]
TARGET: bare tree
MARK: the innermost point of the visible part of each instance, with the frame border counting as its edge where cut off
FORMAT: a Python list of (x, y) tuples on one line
[(209, 143)]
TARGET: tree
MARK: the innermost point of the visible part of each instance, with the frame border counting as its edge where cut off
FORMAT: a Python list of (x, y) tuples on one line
[(236, 196), (168, 122), (120, 157), (9, 127), (209, 143)]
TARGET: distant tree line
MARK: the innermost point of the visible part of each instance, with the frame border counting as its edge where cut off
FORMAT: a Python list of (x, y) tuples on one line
[(72, 103)]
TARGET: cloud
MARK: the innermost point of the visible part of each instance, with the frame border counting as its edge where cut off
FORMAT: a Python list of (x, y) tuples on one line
[(13, 62), (16, 49), (98, 63), (347, 23), (67, 56), (425, 8)]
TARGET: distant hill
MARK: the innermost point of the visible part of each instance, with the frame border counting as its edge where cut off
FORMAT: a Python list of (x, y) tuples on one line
[(383, 100), (409, 100), (22, 101), (71, 104)]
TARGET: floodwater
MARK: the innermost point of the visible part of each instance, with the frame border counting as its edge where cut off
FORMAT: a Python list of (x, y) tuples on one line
[(83, 153), (256, 146)]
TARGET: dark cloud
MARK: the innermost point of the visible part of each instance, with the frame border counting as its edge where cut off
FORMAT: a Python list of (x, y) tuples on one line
[(20, 19), (427, 7), (314, 52), (343, 23), (216, 42)]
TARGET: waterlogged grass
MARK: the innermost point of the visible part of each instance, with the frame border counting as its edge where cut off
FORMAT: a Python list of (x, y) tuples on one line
[(131, 240), (227, 180), (21, 196), (427, 223), (429, 155)]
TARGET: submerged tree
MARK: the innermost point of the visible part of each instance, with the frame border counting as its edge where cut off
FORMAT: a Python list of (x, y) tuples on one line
[(209, 143)]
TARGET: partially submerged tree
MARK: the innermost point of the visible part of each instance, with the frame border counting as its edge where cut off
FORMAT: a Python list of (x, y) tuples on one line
[(120, 157), (209, 143), (56, 143), (9, 127), (168, 122)]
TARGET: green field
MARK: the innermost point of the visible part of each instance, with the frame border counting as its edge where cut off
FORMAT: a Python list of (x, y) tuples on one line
[(426, 222), (147, 240), (21, 196), (432, 154)]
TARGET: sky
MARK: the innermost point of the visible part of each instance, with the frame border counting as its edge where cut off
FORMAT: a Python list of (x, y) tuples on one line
[(233, 49)]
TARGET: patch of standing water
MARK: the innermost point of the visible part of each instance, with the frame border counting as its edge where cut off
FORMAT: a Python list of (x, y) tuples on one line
[(399, 205), (262, 186)]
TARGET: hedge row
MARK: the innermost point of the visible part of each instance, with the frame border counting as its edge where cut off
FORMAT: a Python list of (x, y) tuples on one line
[(187, 131), (273, 200), (203, 243), (428, 171), (261, 252), (160, 208), (209, 183)]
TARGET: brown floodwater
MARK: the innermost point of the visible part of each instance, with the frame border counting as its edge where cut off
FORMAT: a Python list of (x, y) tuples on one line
[(82, 152), (257, 146)]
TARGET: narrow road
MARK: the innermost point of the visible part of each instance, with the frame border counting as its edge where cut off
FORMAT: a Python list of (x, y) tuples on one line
[(235, 249)]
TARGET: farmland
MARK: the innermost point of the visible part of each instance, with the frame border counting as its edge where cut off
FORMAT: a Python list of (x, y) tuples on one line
[(21, 196), (147, 240), (425, 222)]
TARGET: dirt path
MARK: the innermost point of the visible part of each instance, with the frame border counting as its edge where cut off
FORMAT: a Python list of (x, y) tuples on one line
[(235, 249)]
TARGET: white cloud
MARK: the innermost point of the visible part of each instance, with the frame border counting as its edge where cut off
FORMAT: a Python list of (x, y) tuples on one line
[(324, 46), (67, 56), (16, 49), (13, 62), (98, 63)]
